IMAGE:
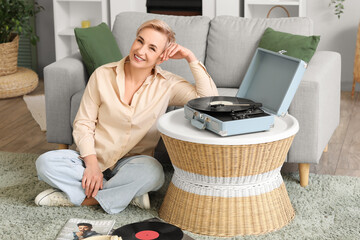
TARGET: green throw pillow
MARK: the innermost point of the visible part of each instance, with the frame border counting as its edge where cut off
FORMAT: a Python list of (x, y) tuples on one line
[(97, 46), (302, 47)]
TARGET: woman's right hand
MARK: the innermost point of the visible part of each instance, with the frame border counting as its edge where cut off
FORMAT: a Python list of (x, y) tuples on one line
[(92, 179), (176, 51)]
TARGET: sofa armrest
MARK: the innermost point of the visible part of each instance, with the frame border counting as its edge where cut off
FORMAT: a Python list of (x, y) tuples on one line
[(316, 106), (62, 80)]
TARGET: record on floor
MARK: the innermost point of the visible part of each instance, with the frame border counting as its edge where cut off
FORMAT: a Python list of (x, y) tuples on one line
[(149, 231)]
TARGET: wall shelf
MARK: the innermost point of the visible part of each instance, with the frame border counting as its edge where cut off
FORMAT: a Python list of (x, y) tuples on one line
[(274, 2), (79, 0), (260, 8), (68, 15), (67, 32)]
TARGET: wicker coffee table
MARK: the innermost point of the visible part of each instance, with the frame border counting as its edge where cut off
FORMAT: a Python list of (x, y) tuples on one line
[(226, 186)]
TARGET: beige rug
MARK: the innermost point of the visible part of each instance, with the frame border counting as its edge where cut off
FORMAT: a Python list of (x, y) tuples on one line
[(36, 105)]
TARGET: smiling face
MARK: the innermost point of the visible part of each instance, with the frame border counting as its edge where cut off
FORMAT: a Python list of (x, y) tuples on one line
[(146, 50), (84, 228)]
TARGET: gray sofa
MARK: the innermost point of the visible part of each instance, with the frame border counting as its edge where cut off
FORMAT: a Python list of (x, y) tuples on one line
[(225, 45)]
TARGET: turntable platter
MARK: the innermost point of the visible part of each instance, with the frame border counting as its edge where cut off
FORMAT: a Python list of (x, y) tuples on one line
[(222, 104)]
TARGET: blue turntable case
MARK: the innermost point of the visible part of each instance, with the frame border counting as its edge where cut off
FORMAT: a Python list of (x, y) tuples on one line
[(271, 79)]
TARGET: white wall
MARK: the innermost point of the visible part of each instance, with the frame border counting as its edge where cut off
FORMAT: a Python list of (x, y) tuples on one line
[(117, 6), (337, 35)]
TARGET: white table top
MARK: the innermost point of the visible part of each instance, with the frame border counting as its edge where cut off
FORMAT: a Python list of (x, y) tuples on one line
[(175, 125)]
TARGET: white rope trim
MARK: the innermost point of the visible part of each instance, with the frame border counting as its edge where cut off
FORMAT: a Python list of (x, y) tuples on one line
[(244, 186)]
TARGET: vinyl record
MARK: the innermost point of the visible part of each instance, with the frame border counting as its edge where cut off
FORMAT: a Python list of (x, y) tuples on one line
[(222, 104), (149, 231)]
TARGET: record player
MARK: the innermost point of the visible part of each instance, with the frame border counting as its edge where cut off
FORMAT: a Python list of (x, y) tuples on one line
[(266, 91)]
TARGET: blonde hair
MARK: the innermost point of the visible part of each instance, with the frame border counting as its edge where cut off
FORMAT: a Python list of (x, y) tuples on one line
[(159, 26)]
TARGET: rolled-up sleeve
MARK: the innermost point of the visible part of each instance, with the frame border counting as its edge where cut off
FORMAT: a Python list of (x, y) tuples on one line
[(183, 91)]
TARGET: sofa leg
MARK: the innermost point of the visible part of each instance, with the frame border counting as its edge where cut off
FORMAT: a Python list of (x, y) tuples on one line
[(353, 88), (304, 169), (63, 146), (326, 148)]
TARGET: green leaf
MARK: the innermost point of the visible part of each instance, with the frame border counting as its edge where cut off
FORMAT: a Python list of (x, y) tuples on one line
[(338, 7), (15, 16)]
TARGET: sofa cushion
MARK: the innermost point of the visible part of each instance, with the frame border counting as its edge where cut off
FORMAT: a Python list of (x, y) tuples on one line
[(232, 42), (191, 32), (97, 46), (302, 47)]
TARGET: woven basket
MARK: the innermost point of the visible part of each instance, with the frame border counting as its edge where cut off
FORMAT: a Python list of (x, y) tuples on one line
[(250, 206), (278, 6), (20, 83), (9, 56)]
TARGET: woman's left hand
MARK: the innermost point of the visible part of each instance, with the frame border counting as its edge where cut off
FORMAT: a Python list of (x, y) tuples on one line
[(176, 51)]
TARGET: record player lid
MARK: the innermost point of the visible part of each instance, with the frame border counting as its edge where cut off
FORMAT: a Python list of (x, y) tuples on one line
[(272, 79)]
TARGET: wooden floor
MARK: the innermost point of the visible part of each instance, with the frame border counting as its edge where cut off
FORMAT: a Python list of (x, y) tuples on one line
[(20, 133), (343, 155)]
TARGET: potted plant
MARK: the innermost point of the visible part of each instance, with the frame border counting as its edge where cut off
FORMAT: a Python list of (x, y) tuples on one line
[(14, 18), (338, 7)]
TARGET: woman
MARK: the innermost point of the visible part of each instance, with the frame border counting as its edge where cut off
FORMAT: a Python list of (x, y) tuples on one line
[(115, 127)]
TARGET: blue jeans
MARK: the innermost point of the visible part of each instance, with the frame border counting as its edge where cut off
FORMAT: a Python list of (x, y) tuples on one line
[(132, 176)]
